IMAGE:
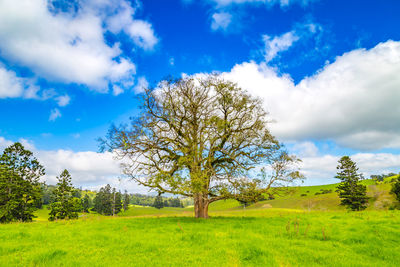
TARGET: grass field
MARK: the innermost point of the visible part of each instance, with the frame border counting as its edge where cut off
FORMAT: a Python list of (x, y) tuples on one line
[(278, 232)]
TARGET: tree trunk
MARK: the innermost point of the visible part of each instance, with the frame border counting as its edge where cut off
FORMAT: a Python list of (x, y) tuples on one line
[(200, 206)]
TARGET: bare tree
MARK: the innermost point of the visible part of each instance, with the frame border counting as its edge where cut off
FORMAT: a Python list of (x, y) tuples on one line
[(202, 137)]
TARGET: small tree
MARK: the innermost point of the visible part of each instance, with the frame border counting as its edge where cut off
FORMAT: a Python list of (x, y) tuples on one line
[(351, 192), (86, 203), (158, 202), (103, 202), (65, 205), (126, 201), (117, 202), (396, 188), (20, 189), (108, 201)]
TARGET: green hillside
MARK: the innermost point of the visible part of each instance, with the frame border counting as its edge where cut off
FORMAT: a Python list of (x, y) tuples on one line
[(312, 198)]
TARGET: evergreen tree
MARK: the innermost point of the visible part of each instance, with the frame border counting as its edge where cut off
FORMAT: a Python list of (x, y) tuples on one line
[(117, 202), (351, 193), (108, 201), (65, 206), (396, 188), (20, 189), (126, 201), (104, 200), (158, 202), (86, 203)]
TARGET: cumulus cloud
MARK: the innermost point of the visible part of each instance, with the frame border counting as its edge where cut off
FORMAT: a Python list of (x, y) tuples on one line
[(117, 90), (322, 169), (68, 45), (54, 114), (282, 3), (63, 100), (278, 44), (353, 101), (224, 12), (304, 149), (10, 84), (140, 31), (4, 143), (141, 85), (220, 21), (88, 169)]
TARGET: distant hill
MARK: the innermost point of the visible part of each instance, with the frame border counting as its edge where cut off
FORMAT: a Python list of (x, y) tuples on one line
[(321, 197)]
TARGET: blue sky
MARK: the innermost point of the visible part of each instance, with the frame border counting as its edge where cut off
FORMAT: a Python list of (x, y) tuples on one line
[(327, 70)]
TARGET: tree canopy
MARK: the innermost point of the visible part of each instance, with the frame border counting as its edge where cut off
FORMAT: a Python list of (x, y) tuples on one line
[(351, 193), (65, 205), (20, 188), (202, 137)]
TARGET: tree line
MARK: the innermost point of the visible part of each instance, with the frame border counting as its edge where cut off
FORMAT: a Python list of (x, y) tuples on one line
[(22, 193)]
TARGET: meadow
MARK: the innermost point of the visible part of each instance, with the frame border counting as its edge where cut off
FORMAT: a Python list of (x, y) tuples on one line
[(280, 232)]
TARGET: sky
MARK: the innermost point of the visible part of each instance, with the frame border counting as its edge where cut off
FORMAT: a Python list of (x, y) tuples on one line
[(328, 73)]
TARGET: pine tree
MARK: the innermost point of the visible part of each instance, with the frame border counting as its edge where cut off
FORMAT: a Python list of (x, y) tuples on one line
[(126, 201), (158, 202), (351, 193), (65, 206), (20, 189), (86, 203), (103, 201), (118, 202), (108, 201)]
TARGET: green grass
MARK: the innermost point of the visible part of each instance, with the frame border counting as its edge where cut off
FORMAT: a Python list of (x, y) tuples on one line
[(268, 237), (286, 231)]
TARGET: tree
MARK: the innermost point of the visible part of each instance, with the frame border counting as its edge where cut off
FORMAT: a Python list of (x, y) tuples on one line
[(65, 206), (20, 189), (103, 201), (396, 188), (117, 202), (107, 201), (126, 201), (351, 192), (158, 202), (86, 203), (199, 138)]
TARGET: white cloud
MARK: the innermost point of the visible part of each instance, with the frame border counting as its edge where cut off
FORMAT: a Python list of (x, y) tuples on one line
[(142, 34), (54, 114), (220, 21), (4, 143), (10, 84), (88, 169), (63, 100), (322, 169), (85, 167), (282, 3), (278, 44), (353, 100), (303, 32), (117, 90), (304, 149), (141, 85), (140, 31), (70, 46)]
